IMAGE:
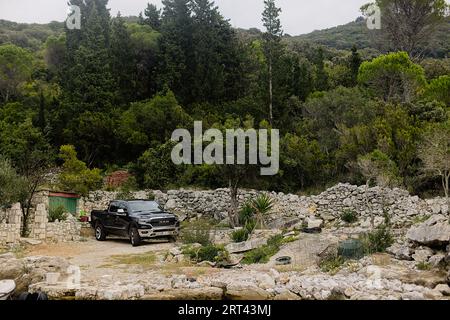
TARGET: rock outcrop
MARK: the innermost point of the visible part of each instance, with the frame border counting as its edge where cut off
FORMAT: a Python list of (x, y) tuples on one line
[(433, 232)]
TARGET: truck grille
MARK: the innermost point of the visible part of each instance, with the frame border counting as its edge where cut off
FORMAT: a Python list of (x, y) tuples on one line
[(163, 222)]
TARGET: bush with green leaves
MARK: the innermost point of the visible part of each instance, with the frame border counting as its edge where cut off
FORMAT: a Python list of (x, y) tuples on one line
[(378, 240), (265, 252), (75, 175), (210, 252), (197, 231), (246, 213), (349, 216), (331, 263), (423, 266), (57, 213), (240, 235), (13, 187)]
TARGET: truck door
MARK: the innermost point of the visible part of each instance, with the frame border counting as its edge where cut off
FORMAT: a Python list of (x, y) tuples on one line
[(122, 219), (110, 218)]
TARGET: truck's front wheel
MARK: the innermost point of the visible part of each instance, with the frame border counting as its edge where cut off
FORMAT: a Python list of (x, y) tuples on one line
[(100, 233), (135, 238)]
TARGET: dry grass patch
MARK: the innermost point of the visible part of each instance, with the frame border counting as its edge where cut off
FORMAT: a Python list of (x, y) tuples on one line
[(145, 259), (381, 259)]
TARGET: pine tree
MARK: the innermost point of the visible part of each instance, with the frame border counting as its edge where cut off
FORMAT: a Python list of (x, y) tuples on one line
[(321, 83), (122, 60), (88, 80), (176, 49), (272, 39), (152, 16), (354, 64), (88, 84)]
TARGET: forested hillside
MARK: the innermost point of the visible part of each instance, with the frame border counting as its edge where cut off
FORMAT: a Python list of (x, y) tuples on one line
[(356, 33), (108, 96)]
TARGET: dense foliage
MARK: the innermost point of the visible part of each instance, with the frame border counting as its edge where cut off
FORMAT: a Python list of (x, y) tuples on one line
[(110, 95)]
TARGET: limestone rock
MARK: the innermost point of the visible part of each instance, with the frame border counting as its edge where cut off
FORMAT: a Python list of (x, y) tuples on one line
[(443, 288), (422, 255), (437, 260), (245, 246), (401, 252), (434, 231), (413, 296), (29, 241), (238, 291), (314, 223)]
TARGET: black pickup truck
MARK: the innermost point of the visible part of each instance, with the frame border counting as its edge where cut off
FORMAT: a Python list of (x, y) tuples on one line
[(135, 219)]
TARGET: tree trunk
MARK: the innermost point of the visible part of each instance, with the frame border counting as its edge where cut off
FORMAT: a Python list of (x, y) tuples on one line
[(446, 185), (232, 212), (270, 93)]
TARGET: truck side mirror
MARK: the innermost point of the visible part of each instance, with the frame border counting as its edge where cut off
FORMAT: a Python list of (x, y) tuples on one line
[(121, 211)]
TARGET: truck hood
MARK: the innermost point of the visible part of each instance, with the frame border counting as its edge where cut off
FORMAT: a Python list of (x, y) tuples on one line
[(153, 215)]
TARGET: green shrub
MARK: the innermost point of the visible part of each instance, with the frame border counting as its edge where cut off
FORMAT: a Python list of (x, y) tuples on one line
[(331, 264), (58, 213), (262, 206), (75, 175), (250, 225), (209, 252), (423, 266), (264, 253), (378, 240), (349, 216), (83, 213), (198, 231), (240, 235), (246, 213)]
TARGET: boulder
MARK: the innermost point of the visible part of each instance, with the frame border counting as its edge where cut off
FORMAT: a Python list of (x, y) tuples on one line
[(265, 281), (433, 232), (30, 270), (10, 267), (422, 255), (413, 296), (400, 252), (175, 251), (245, 246), (238, 291), (443, 288), (437, 260), (314, 223)]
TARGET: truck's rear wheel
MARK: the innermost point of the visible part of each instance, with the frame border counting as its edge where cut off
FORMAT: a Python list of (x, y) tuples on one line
[(135, 238), (100, 233)]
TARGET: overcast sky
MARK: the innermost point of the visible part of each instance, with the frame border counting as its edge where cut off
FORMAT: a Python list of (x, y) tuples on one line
[(298, 16)]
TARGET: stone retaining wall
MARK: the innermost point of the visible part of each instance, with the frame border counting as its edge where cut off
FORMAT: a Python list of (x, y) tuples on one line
[(329, 205), (10, 227), (40, 228)]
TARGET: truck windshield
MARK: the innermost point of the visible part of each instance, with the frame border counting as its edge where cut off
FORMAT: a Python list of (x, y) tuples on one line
[(144, 206)]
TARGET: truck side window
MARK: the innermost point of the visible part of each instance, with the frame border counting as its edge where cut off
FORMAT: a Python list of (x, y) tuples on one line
[(113, 207), (122, 206)]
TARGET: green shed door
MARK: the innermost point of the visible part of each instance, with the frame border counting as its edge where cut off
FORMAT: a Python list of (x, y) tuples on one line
[(70, 204)]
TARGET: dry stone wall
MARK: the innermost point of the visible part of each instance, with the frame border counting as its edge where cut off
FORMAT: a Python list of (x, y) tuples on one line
[(366, 203)]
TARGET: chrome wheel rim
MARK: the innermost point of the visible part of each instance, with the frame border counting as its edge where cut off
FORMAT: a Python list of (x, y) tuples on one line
[(98, 232)]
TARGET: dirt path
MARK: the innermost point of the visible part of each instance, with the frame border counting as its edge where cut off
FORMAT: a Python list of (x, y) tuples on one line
[(93, 254)]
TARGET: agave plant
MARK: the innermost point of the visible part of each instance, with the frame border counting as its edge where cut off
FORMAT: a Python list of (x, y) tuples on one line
[(246, 213), (262, 206)]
